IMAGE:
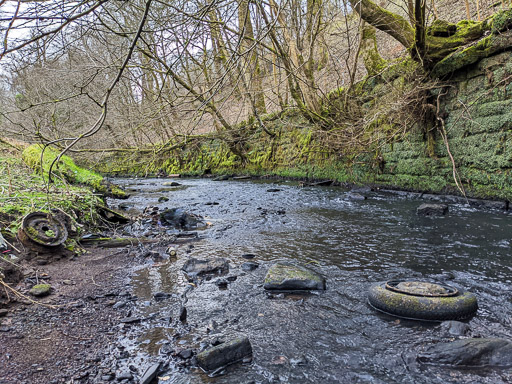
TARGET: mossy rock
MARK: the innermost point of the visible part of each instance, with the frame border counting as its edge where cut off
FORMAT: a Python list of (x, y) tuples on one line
[(68, 170), (502, 21), (41, 290), (288, 276), (442, 28)]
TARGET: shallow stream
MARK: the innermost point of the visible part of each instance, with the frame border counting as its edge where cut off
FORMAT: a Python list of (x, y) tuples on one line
[(327, 337)]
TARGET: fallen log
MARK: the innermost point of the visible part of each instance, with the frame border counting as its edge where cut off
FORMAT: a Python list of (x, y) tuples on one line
[(114, 242)]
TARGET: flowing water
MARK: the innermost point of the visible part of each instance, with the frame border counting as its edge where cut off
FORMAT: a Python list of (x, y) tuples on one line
[(322, 337)]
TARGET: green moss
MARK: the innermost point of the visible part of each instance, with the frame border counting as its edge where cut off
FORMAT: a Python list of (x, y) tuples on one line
[(67, 169), (41, 290), (423, 304), (453, 54), (441, 28), (369, 142), (438, 47), (24, 192), (502, 21), (373, 62)]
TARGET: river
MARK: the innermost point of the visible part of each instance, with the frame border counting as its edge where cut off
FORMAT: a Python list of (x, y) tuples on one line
[(323, 337)]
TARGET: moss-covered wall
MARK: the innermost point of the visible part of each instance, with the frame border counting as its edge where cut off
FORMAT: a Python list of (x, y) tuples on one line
[(477, 110), (475, 104)]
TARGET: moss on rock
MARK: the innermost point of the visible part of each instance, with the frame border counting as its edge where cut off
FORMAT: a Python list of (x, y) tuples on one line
[(287, 276), (41, 290)]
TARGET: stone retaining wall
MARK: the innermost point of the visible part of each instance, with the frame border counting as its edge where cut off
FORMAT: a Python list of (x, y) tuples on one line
[(477, 109)]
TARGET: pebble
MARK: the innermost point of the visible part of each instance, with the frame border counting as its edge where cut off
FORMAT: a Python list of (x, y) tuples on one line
[(130, 320), (161, 295), (185, 354), (41, 290), (183, 314), (119, 304), (249, 266), (166, 349), (150, 374), (3, 312), (124, 375), (222, 284)]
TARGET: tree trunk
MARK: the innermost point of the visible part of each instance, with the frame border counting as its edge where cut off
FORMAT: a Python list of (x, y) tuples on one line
[(249, 49), (388, 22)]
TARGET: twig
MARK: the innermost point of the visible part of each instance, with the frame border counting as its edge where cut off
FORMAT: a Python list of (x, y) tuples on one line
[(13, 247), (444, 135), (74, 337), (93, 282)]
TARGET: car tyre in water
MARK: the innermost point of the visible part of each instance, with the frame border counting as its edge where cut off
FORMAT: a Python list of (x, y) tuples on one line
[(422, 300)]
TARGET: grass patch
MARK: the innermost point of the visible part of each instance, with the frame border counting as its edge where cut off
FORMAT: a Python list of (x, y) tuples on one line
[(23, 191)]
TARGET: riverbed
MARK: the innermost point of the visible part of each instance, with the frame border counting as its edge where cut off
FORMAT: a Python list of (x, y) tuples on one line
[(332, 336)]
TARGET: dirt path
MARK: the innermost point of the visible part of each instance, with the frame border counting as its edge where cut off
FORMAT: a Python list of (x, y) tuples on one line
[(72, 343)]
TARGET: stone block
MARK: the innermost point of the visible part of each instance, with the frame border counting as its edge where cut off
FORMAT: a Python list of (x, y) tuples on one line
[(225, 354)]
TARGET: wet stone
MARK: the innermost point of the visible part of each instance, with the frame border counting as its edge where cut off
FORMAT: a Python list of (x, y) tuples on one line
[(150, 374), (125, 375), (432, 209), (171, 184), (455, 328), (183, 314), (41, 290), (470, 353), (221, 283), (248, 256), (178, 218), (161, 296), (3, 312), (224, 354), (273, 190), (195, 267), (163, 199), (166, 349), (185, 354), (130, 320), (355, 196), (249, 266), (298, 361), (288, 276)]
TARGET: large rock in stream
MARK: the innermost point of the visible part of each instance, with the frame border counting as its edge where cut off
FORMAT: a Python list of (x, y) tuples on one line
[(432, 210), (225, 354), (470, 353), (196, 267), (178, 218), (288, 276)]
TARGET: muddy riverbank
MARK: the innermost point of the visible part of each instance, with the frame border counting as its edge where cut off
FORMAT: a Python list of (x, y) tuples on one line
[(75, 341)]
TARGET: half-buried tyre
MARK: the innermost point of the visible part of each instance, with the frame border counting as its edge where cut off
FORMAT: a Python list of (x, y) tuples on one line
[(419, 300)]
